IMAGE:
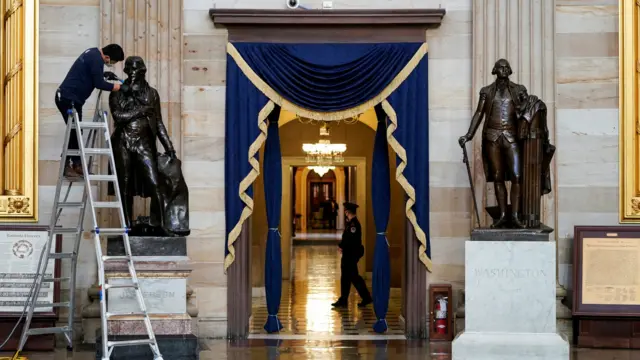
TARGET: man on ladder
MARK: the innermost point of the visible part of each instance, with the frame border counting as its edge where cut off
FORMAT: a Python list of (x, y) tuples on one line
[(86, 74)]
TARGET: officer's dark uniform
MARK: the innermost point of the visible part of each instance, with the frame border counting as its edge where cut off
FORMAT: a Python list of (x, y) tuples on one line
[(352, 251)]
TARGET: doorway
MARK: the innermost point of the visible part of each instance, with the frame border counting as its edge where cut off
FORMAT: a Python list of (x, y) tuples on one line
[(311, 262)]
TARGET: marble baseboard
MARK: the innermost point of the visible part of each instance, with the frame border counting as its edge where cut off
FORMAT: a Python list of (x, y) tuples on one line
[(180, 324), (509, 346), (212, 328), (564, 327)]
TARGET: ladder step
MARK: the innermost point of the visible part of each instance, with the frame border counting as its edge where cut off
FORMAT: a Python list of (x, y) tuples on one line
[(103, 178), (56, 280), (58, 304), (120, 286), (109, 315), (92, 125), (112, 231), (60, 255), (131, 342), (97, 151), (107, 204), (61, 230), (115, 258), (73, 152), (75, 205), (52, 330)]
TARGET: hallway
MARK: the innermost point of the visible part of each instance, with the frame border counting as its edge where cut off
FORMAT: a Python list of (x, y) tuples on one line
[(305, 309)]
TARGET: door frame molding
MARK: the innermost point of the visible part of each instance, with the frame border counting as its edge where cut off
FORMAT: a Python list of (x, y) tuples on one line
[(360, 163), (321, 26)]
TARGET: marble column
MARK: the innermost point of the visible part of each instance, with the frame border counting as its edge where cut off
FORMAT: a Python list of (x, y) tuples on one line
[(151, 29), (523, 32)]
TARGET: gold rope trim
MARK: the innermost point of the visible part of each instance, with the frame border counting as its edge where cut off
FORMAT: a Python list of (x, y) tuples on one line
[(326, 116), (402, 180), (13, 72), (14, 7), (246, 182), (11, 134)]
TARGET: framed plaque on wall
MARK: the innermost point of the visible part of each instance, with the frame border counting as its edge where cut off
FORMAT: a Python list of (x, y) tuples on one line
[(606, 284), (20, 248)]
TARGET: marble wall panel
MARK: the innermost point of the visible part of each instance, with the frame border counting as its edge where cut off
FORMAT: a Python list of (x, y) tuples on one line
[(587, 120), (67, 28)]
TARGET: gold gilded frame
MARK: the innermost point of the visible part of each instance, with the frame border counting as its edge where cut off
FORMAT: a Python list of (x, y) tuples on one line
[(629, 116), (19, 110)]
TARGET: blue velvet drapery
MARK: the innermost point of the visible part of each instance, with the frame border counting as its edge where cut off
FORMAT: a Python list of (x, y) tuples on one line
[(321, 78), (273, 198), (327, 77), (381, 200)]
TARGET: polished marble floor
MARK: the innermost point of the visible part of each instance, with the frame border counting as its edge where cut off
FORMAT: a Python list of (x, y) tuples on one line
[(306, 312), (330, 350), (305, 308)]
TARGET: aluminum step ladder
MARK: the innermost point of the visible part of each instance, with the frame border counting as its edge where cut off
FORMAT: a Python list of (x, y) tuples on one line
[(96, 128)]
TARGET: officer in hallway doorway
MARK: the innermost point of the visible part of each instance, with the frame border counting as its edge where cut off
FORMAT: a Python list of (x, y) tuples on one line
[(352, 250)]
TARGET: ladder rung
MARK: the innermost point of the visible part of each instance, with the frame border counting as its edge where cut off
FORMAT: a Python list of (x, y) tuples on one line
[(56, 280), (92, 125), (112, 231), (60, 255), (58, 304), (109, 315), (103, 178), (78, 205), (51, 330), (62, 230), (107, 204), (131, 342), (115, 258), (120, 286), (97, 151), (73, 152)]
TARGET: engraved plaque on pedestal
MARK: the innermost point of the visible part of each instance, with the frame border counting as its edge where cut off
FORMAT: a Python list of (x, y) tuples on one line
[(161, 295)]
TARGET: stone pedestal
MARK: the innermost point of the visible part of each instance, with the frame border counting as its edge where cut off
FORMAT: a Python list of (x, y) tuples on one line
[(510, 303), (162, 268)]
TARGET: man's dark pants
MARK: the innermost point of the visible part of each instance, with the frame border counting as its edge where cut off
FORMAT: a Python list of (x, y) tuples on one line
[(349, 275), (63, 106)]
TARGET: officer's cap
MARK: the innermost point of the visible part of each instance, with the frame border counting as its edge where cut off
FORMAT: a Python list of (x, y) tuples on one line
[(351, 207)]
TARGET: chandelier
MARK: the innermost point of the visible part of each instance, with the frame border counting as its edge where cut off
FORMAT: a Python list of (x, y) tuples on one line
[(321, 170), (324, 153)]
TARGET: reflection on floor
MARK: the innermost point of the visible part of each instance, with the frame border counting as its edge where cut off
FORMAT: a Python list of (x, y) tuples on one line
[(318, 237), (329, 350), (305, 307)]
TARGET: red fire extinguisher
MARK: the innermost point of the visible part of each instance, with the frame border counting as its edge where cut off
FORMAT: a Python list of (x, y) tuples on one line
[(441, 315)]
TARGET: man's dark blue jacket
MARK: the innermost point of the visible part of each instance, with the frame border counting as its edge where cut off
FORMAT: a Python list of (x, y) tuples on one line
[(86, 74)]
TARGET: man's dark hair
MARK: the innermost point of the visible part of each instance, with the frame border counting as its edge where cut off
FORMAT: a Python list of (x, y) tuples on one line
[(114, 52)]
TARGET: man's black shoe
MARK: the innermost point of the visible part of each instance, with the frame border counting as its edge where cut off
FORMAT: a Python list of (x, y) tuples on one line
[(365, 303), (340, 304)]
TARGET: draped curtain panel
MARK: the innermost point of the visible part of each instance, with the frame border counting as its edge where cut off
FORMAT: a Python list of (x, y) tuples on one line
[(273, 199), (381, 199), (326, 82)]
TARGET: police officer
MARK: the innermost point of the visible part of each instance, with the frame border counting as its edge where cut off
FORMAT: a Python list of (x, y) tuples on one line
[(352, 250)]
